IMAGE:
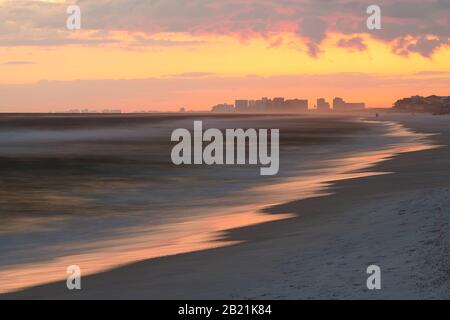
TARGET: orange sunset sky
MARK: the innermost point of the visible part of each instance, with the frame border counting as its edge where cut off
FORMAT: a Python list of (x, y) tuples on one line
[(166, 54)]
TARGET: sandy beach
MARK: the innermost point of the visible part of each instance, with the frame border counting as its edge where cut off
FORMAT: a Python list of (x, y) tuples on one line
[(398, 221)]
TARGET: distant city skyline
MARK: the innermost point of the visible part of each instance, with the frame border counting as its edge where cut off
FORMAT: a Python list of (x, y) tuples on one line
[(280, 104)]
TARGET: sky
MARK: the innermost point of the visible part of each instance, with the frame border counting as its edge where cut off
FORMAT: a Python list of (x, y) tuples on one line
[(165, 54)]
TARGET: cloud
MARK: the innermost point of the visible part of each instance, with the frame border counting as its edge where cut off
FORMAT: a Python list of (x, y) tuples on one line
[(432, 73), (53, 42), (422, 45), (193, 74), (356, 43), (276, 43), (312, 20), (314, 30), (202, 92), (17, 62), (144, 41)]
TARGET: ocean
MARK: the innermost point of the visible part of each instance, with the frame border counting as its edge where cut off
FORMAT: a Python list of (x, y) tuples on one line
[(100, 191)]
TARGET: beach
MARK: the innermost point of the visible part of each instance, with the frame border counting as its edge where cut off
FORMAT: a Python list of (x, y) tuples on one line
[(396, 217)]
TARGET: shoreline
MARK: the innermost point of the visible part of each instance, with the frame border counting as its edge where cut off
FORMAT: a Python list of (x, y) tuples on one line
[(296, 258), (196, 229)]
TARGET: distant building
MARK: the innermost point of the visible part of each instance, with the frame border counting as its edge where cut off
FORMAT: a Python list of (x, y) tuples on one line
[(112, 111), (323, 105), (224, 107), (266, 104), (258, 105), (340, 105), (252, 105), (241, 105), (278, 104), (295, 105), (88, 111)]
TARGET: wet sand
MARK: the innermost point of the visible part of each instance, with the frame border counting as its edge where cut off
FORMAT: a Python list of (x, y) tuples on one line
[(398, 221)]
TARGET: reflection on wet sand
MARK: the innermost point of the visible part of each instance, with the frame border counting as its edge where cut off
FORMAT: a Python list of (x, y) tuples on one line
[(181, 237)]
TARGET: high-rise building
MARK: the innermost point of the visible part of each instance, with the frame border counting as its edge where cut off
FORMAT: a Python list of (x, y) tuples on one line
[(266, 104), (252, 105), (224, 107), (259, 105), (278, 104), (340, 105), (322, 105), (295, 105), (241, 105)]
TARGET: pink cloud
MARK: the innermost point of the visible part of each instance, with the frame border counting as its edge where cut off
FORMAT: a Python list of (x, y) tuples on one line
[(40, 23), (356, 43)]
